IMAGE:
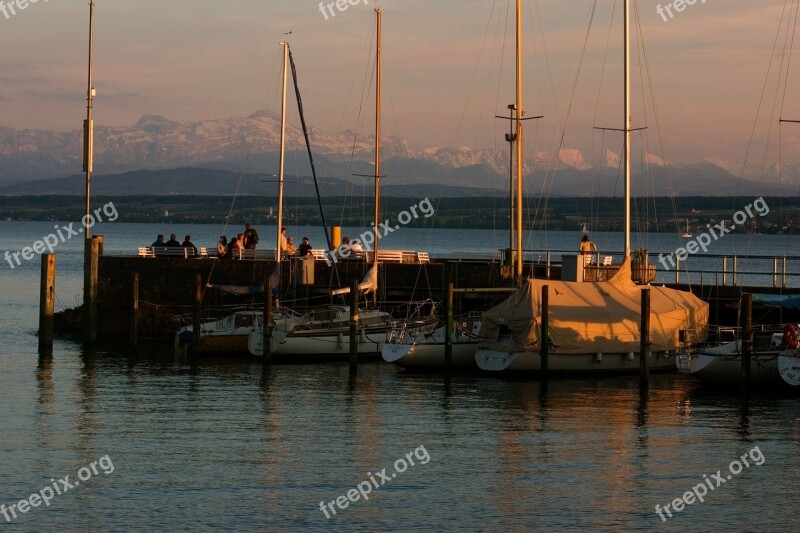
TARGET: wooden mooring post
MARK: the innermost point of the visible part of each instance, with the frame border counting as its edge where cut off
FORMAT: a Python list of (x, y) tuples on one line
[(544, 340), (354, 324), (747, 339), (135, 312), (266, 327), (47, 294), (93, 250), (448, 332), (198, 296), (644, 338)]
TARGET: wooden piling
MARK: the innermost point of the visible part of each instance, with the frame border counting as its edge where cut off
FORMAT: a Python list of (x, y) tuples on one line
[(135, 311), (783, 274), (91, 267), (354, 324), (198, 296), (47, 292), (547, 272), (448, 335), (266, 328), (747, 339), (644, 338), (544, 338)]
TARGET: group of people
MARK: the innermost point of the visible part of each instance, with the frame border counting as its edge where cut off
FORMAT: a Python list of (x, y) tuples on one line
[(247, 240), (289, 249), (354, 246), (173, 243)]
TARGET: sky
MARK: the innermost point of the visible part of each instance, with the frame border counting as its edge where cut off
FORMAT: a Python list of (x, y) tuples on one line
[(448, 69)]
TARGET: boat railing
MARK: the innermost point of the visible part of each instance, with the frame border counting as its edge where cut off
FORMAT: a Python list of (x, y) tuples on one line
[(215, 312)]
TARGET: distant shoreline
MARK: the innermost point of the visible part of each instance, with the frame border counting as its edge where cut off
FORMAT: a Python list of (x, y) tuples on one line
[(568, 214)]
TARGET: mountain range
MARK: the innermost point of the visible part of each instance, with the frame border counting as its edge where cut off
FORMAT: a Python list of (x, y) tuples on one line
[(160, 156)]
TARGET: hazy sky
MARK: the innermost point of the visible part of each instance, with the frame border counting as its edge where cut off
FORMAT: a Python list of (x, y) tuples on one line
[(448, 68)]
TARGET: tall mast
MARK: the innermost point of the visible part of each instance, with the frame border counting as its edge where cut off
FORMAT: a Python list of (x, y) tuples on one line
[(627, 126), (377, 134), (285, 46), (520, 149), (88, 126), (88, 156)]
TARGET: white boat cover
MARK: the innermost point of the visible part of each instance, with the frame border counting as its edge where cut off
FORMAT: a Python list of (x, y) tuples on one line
[(595, 317)]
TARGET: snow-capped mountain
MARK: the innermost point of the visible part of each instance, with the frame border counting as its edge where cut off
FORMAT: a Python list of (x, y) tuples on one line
[(156, 142)]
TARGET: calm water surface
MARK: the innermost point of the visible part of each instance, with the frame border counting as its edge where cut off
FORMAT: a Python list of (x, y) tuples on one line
[(227, 447)]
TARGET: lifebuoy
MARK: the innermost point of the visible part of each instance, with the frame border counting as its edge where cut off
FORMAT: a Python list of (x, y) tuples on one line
[(791, 335)]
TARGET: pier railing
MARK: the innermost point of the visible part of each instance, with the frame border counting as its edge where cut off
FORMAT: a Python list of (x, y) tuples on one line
[(777, 271)]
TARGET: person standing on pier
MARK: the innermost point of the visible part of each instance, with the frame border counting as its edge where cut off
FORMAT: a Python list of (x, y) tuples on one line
[(283, 244), (250, 236), (586, 245), (305, 248)]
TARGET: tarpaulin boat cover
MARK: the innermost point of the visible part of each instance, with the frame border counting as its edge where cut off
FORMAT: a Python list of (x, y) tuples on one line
[(787, 301), (595, 317)]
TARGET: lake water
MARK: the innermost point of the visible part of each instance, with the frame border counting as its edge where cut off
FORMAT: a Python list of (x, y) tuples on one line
[(225, 447)]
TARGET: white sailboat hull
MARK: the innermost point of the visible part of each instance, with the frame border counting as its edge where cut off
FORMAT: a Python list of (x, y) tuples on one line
[(332, 344), (426, 349), (722, 366), (789, 367), (495, 360), (228, 335), (311, 336)]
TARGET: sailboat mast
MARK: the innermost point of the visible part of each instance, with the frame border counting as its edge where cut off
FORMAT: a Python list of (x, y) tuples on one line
[(88, 157), (88, 127), (628, 124), (520, 149), (377, 134), (285, 46)]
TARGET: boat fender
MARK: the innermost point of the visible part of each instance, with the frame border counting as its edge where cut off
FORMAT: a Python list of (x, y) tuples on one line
[(599, 358)]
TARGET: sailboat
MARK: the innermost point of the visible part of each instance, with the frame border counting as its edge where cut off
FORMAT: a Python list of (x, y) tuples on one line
[(687, 234), (593, 326), (324, 331), (421, 347), (774, 358), (410, 348)]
